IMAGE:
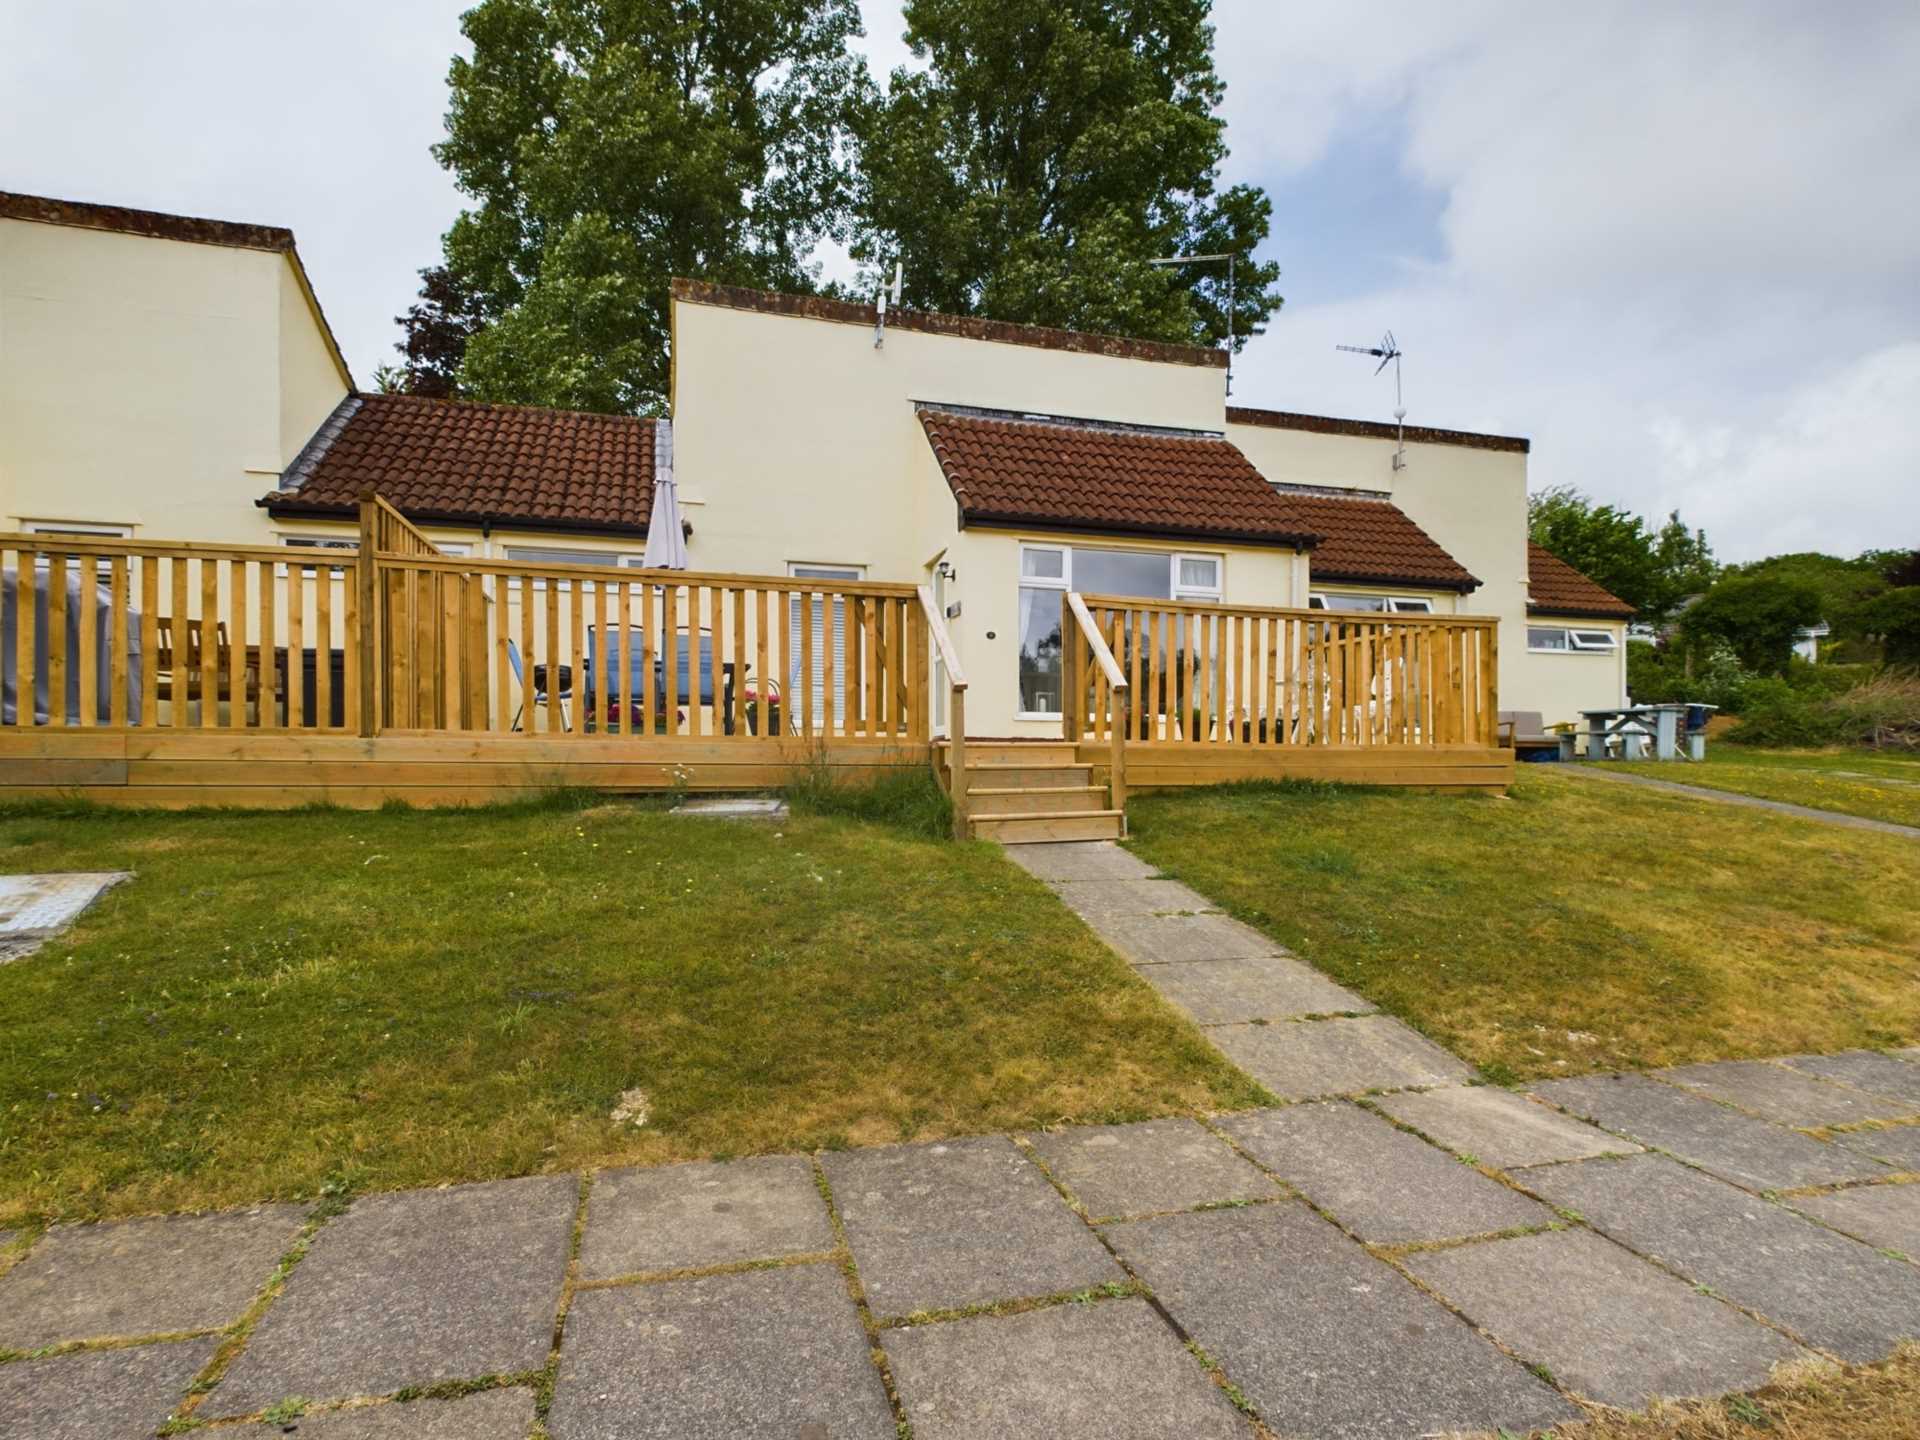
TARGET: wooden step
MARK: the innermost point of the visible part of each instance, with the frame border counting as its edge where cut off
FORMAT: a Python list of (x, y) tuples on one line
[(1025, 777), (1017, 752), (1041, 829), (1035, 799)]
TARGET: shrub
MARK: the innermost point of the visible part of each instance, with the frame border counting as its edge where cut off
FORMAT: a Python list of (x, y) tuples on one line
[(1883, 712), (1659, 677)]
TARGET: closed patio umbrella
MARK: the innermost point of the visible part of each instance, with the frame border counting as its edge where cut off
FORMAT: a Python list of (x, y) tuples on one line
[(666, 539)]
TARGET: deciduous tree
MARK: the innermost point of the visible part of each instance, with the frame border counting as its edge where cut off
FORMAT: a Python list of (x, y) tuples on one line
[(1046, 153)]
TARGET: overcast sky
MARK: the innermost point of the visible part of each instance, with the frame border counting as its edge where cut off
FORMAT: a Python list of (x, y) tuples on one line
[(1679, 247)]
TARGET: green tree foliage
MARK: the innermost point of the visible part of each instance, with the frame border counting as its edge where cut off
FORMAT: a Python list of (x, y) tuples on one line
[(1755, 616), (1895, 618), (608, 145), (1846, 588), (1653, 571), (1049, 150)]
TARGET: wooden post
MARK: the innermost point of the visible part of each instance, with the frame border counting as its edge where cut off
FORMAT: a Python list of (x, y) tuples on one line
[(366, 583), (957, 757), (1122, 717)]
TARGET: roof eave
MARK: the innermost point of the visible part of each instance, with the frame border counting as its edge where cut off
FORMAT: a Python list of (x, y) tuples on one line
[(1461, 586), (1575, 612), (287, 505), (993, 519)]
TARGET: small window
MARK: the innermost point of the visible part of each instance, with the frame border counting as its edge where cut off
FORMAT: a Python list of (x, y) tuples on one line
[(85, 529), (1353, 604), (563, 557), (801, 571), (1592, 639), (1541, 637), (319, 542), (1196, 577), (1043, 564), (1410, 605)]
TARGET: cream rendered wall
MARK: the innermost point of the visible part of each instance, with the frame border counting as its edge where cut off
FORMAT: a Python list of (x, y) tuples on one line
[(152, 383), (1474, 503), (795, 439), (1561, 685)]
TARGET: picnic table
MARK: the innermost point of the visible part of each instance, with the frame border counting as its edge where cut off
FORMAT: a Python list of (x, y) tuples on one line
[(1635, 725)]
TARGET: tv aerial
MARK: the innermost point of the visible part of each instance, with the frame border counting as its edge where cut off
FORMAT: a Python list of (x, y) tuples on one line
[(1388, 352)]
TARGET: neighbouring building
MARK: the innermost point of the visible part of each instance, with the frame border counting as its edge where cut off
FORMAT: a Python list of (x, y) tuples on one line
[(165, 377)]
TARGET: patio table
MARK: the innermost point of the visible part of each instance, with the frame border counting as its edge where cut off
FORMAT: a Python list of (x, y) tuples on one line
[(1635, 725)]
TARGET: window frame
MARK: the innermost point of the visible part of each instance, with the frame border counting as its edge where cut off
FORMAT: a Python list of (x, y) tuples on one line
[(1177, 593), (617, 560), (1390, 604), (1578, 640), (80, 530)]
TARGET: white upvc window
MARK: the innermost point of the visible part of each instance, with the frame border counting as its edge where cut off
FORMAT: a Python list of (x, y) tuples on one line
[(348, 542), (1567, 640), (1370, 604), (814, 615), (561, 555), (81, 528), (1046, 571)]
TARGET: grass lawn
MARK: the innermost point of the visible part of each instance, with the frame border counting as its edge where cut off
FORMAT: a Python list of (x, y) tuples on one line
[(1571, 926), (1878, 784), (282, 1003)]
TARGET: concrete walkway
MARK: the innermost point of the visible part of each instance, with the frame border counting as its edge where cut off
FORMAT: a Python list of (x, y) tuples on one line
[(1751, 802), (1423, 1257)]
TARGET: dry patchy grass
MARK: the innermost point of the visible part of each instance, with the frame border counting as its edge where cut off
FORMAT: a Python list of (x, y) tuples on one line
[(1569, 927), (277, 1003)]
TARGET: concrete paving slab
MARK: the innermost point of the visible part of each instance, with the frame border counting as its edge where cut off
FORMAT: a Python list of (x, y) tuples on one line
[(1324, 1339), (731, 807), (1499, 1128), (1899, 1146), (1386, 1186), (1089, 898), (99, 1394), (684, 1217), (490, 1415), (1609, 1326), (1736, 1147), (1306, 1059), (36, 908), (1885, 1216), (1080, 860), (1867, 1070), (934, 1227), (1160, 939), (1786, 1097), (143, 1277), (1113, 1370), (1834, 1293), (410, 1289), (1218, 992), (1140, 1169), (764, 1352)]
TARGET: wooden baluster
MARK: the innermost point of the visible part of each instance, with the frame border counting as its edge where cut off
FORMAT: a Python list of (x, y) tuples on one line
[(762, 659), (809, 601), (670, 649), (88, 658), (56, 640), (870, 666), (270, 684), (118, 663), (830, 694), (296, 650), (27, 642), (237, 645), (525, 707), (639, 667), (350, 640), (739, 663)]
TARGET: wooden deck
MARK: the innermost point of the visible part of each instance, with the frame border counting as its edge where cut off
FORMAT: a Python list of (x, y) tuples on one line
[(178, 674)]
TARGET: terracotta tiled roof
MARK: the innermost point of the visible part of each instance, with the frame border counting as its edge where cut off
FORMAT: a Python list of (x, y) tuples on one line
[(1375, 430), (932, 322), (1369, 540), (453, 461), (1556, 588), (1085, 476), (154, 223)]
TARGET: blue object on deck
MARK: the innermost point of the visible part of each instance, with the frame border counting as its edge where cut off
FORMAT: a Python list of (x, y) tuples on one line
[(631, 676), (1697, 718), (1538, 756)]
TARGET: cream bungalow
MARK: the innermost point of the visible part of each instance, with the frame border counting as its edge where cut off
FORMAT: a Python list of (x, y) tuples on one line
[(171, 378)]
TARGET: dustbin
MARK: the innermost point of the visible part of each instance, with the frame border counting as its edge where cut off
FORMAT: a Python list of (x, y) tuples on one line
[(336, 700)]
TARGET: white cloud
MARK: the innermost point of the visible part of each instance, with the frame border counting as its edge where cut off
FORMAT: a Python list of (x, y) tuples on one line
[(1678, 244)]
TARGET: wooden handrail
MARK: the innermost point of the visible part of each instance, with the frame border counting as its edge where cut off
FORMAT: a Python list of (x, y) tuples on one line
[(937, 623), (107, 546), (613, 574), (956, 710), (1122, 719)]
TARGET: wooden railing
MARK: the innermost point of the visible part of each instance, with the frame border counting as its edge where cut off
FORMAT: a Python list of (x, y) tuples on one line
[(96, 631), (956, 708), (396, 636), (1104, 683), (1249, 675)]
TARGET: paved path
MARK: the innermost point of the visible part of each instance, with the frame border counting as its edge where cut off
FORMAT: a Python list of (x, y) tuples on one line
[(1388, 1264), (1752, 802)]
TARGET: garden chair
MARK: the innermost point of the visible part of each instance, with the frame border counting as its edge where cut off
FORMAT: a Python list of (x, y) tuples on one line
[(564, 695)]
